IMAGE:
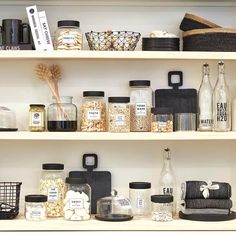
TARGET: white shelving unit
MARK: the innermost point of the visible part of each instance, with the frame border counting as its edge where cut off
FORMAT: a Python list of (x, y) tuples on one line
[(137, 156)]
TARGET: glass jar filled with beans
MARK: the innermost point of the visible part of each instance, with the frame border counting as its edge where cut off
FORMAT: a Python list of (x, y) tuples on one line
[(93, 112), (162, 119), (68, 35), (37, 117), (119, 114)]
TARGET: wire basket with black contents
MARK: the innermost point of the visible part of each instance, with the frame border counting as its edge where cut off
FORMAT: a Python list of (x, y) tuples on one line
[(9, 199), (112, 40)]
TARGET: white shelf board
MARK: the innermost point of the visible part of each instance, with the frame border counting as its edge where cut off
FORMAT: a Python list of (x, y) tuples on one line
[(106, 136), (92, 225), (171, 3), (129, 55)]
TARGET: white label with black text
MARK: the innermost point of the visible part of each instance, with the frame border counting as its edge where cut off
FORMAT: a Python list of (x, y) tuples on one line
[(52, 194), (141, 109), (36, 119), (140, 203), (76, 203), (68, 39), (120, 120), (94, 115)]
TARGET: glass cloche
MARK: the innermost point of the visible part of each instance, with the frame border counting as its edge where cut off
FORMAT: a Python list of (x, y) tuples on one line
[(114, 208)]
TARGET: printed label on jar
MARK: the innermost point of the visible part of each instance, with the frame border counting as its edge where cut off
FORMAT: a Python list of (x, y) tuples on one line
[(76, 203), (37, 213), (120, 120), (36, 119), (93, 115), (162, 124), (52, 194), (68, 39), (140, 109), (140, 203)]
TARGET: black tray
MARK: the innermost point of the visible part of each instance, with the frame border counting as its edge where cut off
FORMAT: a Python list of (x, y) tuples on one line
[(8, 129), (207, 217), (114, 218)]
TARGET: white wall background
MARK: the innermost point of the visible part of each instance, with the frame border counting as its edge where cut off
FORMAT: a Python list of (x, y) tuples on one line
[(127, 160)]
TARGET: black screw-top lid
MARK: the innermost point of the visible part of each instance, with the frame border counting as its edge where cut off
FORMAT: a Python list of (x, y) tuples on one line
[(68, 23), (93, 94), (162, 198), (37, 105), (53, 166), (119, 99), (140, 185), (36, 198), (162, 110), (70, 180), (134, 83)]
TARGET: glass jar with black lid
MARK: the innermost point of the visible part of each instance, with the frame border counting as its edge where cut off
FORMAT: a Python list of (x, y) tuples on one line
[(162, 119), (62, 115), (68, 36), (52, 184), (140, 105), (119, 114), (93, 112)]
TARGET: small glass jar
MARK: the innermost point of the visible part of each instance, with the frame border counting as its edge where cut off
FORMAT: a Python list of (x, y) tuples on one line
[(140, 105), (68, 35), (93, 112), (77, 202), (162, 119), (162, 207), (62, 115), (52, 184), (119, 114), (139, 195), (37, 117), (35, 207)]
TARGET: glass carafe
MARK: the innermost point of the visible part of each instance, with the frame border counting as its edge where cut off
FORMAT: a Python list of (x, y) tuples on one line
[(62, 115)]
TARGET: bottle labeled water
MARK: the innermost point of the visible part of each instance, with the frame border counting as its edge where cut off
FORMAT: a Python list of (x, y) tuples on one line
[(205, 96)]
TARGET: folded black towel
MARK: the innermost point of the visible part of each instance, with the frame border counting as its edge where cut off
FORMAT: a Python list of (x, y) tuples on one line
[(208, 203), (191, 190)]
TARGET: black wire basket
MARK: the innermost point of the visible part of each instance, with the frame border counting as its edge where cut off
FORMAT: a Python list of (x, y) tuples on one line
[(9, 199), (112, 40)]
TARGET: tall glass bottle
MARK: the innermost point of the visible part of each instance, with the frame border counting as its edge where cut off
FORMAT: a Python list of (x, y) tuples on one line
[(205, 93), (167, 182), (221, 102)]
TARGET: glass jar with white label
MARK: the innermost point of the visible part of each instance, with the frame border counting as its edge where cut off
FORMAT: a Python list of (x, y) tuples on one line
[(140, 105), (37, 117), (35, 207), (68, 35), (93, 112), (52, 185), (77, 202), (119, 114), (139, 196)]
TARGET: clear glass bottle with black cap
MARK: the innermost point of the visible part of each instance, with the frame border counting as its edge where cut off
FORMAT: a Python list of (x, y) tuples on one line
[(62, 115), (221, 102), (139, 196), (205, 95), (93, 112), (140, 105), (52, 184), (162, 207), (77, 202), (167, 180), (119, 114), (35, 207), (68, 36)]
